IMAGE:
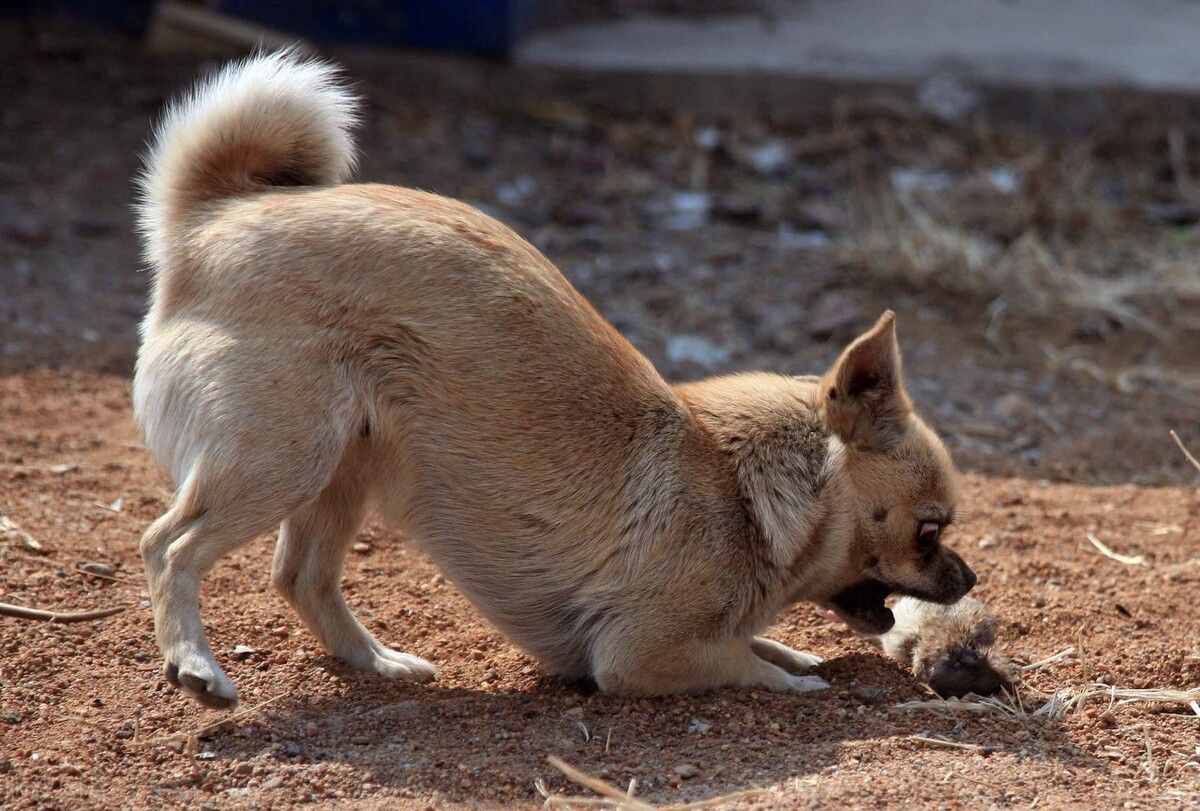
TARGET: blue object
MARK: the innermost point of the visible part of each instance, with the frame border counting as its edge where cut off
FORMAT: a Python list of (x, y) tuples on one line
[(484, 27)]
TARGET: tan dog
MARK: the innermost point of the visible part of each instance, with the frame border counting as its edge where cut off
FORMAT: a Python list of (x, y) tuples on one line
[(313, 349), (949, 647)]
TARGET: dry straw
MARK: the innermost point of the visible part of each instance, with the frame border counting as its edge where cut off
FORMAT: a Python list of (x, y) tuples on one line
[(1102, 548), (1058, 704), (1186, 452)]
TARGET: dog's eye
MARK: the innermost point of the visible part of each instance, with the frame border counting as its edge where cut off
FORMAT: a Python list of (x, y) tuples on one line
[(928, 534)]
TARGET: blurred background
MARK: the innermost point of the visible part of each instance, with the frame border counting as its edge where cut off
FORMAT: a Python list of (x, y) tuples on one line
[(735, 184)]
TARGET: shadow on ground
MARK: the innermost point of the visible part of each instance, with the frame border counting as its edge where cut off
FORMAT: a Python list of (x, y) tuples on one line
[(463, 745)]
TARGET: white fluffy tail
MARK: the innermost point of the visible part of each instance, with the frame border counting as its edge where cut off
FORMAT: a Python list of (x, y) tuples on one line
[(271, 120)]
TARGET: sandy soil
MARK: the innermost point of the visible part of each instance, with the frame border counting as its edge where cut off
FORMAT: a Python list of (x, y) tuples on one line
[(87, 721)]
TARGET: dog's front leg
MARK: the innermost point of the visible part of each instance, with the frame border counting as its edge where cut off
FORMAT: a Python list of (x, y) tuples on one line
[(791, 660), (690, 667)]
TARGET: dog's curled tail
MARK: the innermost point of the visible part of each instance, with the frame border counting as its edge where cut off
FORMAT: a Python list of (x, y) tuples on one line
[(278, 119)]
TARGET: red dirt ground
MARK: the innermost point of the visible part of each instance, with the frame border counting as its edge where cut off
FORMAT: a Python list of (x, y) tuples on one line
[(85, 707), (87, 721)]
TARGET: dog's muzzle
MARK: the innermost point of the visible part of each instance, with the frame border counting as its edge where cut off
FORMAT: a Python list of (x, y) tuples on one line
[(861, 607)]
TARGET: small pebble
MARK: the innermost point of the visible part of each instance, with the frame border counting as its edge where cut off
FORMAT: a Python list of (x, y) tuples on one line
[(686, 771), (362, 548), (869, 695)]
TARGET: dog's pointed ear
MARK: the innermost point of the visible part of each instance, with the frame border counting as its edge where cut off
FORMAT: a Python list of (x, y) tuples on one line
[(862, 397)]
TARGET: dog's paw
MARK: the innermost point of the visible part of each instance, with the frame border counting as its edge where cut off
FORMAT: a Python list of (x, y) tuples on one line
[(403, 666), (789, 659), (203, 679), (798, 660), (806, 684)]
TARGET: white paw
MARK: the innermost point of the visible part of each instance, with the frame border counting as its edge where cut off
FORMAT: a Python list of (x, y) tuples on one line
[(806, 684), (781, 655), (403, 666), (803, 661), (202, 677)]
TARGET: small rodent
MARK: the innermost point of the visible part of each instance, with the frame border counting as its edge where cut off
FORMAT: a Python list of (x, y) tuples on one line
[(949, 647)]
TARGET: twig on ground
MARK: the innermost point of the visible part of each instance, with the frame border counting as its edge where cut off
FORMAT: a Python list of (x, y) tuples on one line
[(613, 797), (22, 612), (724, 799), (198, 731), (1128, 560), (1195, 462), (80, 569), (972, 747), (1065, 653), (597, 785), (950, 706)]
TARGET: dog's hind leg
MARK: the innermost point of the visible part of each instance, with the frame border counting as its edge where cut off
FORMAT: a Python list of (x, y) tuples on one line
[(178, 549), (308, 567), (252, 459)]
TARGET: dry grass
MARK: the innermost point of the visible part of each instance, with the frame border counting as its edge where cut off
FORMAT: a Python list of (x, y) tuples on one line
[(1028, 274), (1033, 229), (1057, 705)]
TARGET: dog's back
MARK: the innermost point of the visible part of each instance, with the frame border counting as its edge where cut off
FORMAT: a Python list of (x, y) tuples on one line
[(313, 347), (311, 340)]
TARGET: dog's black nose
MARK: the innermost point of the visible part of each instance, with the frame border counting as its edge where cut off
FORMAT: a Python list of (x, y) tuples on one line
[(970, 577)]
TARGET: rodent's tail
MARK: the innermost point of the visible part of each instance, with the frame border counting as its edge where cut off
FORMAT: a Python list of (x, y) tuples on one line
[(279, 119)]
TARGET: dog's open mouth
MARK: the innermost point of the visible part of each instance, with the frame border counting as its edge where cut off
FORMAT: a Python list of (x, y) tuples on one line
[(861, 607)]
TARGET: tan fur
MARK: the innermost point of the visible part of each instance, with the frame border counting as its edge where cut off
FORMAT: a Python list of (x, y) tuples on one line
[(950, 647), (313, 352)]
